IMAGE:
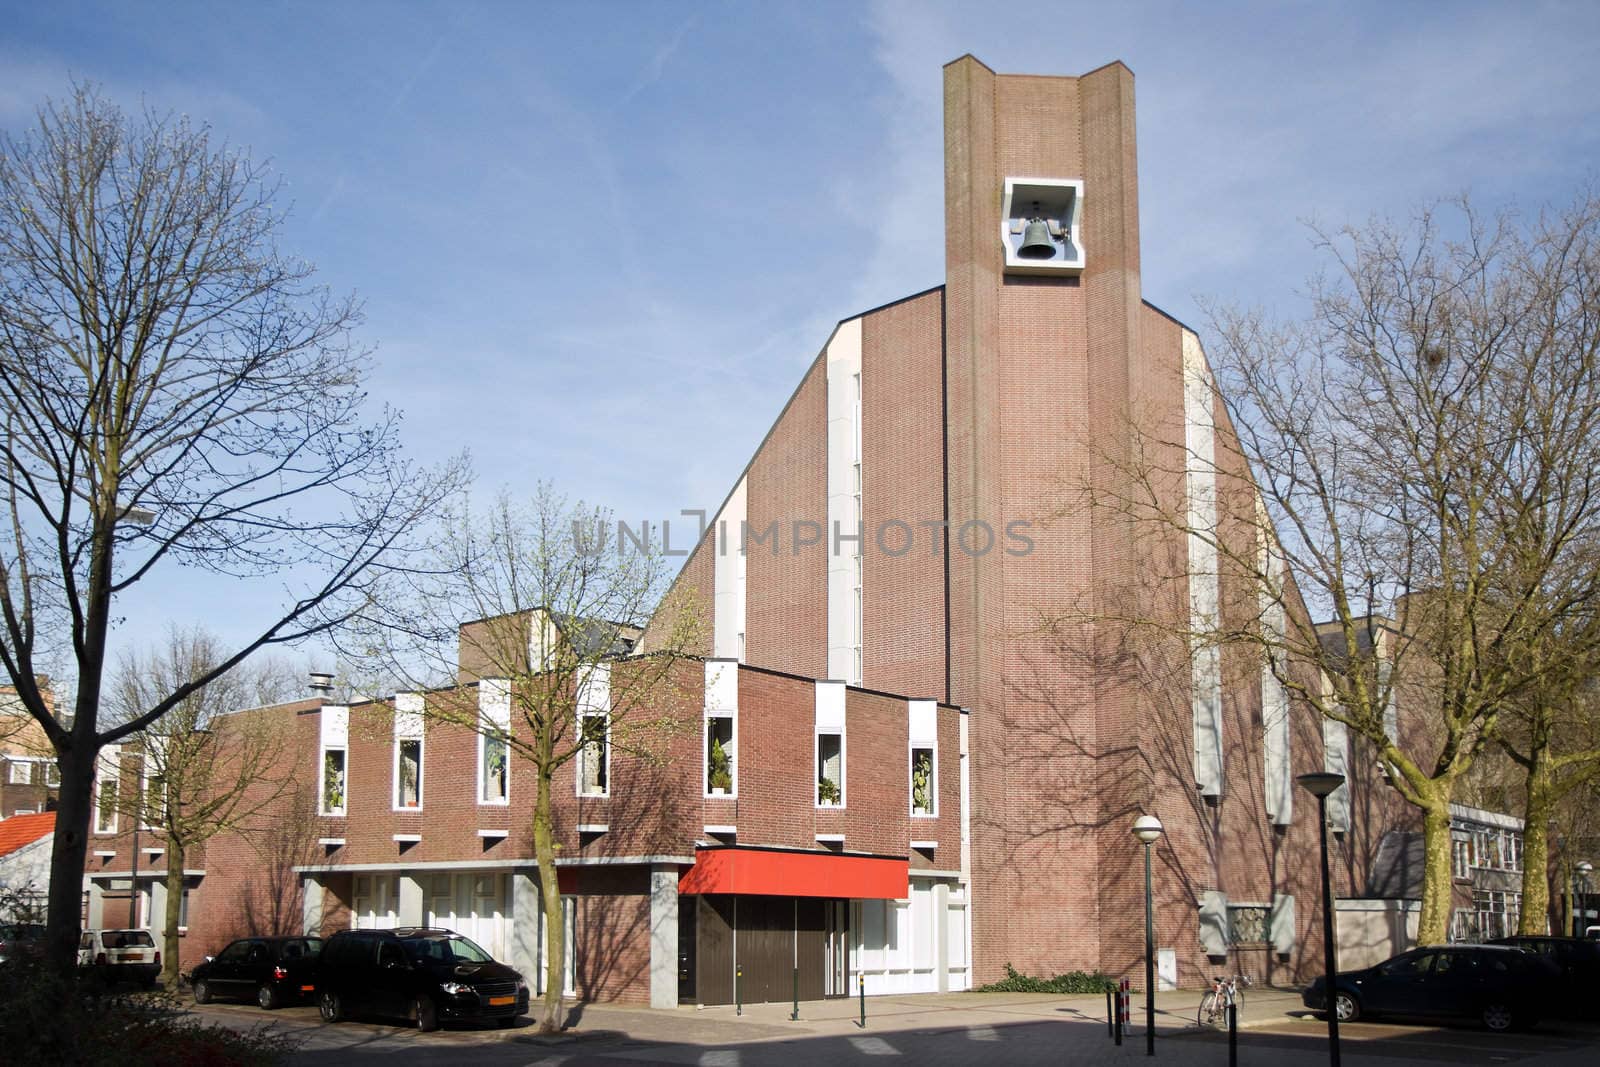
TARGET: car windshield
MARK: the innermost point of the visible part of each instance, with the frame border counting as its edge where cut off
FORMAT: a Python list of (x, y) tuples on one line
[(445, 948)]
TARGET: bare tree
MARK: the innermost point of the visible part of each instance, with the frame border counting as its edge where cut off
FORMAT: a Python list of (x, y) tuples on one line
[(213, 764), (545, 602), (1420, 456), (174, 393)]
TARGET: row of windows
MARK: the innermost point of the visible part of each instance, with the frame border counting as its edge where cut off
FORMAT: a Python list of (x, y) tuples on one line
[(20, 771), (108, 793), (1493, 914), (593, 768), (1484, 849)]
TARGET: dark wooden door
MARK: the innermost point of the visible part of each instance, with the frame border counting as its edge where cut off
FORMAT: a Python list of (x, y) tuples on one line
[(714, 949)]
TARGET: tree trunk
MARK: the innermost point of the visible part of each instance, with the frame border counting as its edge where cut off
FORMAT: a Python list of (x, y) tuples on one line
[(67, 851), (1433, 928), (170, 968), (544, 848), (1535, 916)]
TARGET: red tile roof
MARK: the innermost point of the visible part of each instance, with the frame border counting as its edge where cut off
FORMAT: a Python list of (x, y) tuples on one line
[(22, 830)]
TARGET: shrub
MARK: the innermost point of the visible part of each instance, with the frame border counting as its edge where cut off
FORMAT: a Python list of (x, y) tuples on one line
[(1071, 982), (53, 1021)]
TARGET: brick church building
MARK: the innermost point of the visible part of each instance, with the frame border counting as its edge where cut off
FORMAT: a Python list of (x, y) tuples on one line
[(919, 733)]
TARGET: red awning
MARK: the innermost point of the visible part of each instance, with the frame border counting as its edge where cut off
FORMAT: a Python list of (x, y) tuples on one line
[(781, 873)]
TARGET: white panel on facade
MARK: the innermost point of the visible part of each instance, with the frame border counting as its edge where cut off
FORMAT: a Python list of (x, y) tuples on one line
[(830, 706), (722, 687), (728, 576), (924, 722), (494, 701), (844, 513), (1214, 922), (1336, 760), (408, 709), (1283, 935), (594, 689), (1201, 485), (1275, 732), (335, 725)]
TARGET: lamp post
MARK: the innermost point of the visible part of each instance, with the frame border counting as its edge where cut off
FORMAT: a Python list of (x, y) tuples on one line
[(1320, 785), (1580, 877), (1147, 828)]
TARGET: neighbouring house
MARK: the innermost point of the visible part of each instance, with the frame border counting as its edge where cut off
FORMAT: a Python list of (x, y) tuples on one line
[(885, 769), (29, 781), (25, 844)]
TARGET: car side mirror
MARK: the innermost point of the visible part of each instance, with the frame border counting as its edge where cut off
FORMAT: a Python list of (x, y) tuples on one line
[(210, 958)]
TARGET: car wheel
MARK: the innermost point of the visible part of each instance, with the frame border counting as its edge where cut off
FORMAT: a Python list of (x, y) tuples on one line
[(1497, 1016), (427, 1014), (1346, 1007), (266, 996), (328, 1004), (202, 991)]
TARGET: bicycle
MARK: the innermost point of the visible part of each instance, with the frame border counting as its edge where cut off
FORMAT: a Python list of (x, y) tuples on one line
[(1213, 1013)]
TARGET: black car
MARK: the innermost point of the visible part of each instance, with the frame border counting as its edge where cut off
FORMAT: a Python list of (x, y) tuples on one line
[(21, 941), (272, 970), (1577, 995), (424, 975), (1497, 985)]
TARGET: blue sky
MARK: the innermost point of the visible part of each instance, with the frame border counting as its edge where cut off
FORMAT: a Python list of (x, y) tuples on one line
[(598, 243)]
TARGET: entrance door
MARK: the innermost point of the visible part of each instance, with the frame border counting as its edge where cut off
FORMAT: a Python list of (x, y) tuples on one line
[(688, 924), (836, 948)]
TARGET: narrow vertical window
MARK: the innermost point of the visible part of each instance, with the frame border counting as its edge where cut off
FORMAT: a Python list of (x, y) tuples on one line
[(720, 745), (593, 755), (333, 781), (494, 748), (924, 763), (105, 811), (922, 781), (830, 770), (409, 785)]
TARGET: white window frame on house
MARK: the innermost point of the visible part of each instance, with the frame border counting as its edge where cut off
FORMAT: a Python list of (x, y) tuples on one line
[(721, 705), (923, 737), (20, 772), (108, 772), (154, 754), (335, 739), (1460, 856), (494, 719), (408, 730), (589, 740), (831, 701)]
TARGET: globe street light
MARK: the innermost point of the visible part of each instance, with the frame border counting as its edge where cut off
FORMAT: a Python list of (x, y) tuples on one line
[(1320, 785), (1147, 828)]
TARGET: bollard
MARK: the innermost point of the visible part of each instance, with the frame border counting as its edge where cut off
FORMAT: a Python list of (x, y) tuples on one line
[(1117, 1029), (861, 981), (1233, 1034), (1111, 1015), (738, 989), (794, 1016)]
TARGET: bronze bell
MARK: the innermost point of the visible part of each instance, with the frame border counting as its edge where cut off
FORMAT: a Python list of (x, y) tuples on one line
[(1036, 241)]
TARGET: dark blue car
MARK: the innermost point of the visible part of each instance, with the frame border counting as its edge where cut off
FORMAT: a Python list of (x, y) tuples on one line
[(1496, 985)]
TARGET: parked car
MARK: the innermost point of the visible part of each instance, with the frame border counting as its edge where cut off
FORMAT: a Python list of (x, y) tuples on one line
[(120, 955), (424, 975), (21, 941), (272, 970), (1577, 995), (1497, 985)]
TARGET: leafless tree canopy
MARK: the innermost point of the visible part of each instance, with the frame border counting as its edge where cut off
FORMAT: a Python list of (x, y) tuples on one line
[(174, 392)]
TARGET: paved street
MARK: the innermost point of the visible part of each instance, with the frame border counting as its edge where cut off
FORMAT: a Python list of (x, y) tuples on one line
[(935, 1030)]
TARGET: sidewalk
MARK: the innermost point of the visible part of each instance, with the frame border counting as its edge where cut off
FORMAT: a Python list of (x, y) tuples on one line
[(922, 1012)]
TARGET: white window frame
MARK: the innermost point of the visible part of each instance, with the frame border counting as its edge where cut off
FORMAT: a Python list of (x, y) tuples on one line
[(494, 715), (731, 749), (816, 762), (20, 772), (407, 728), (322, 781), (108, 770), (584, 718), (922, 734)]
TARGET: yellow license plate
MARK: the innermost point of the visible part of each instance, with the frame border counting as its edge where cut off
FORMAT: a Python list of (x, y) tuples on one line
[(497, 1001), (308, 989)]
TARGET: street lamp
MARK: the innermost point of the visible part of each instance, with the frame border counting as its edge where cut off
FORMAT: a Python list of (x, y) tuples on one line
[(1580, 876), (1320, 785), (1147, 828)]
